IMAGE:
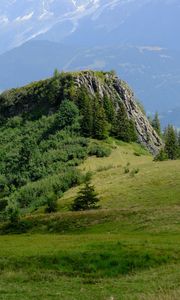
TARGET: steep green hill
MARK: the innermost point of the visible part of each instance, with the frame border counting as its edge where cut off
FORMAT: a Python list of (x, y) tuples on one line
[(52, 134), (46, 129)]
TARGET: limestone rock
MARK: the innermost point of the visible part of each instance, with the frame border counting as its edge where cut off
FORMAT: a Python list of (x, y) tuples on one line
[(118, 90)]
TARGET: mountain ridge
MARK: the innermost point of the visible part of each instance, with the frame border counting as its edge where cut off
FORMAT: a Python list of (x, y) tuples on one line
[(98, 86)]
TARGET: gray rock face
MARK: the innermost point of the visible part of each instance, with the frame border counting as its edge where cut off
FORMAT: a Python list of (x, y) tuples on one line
[(109, 84)]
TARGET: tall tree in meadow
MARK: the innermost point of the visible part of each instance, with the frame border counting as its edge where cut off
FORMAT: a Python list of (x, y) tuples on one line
[(171, 142), (86, 199)]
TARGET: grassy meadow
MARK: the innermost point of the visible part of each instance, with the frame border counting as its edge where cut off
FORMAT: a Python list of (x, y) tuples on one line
[(128, 249)]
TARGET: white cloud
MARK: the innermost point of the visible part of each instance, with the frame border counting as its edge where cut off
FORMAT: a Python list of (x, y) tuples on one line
[(4, 20), (25, 18)]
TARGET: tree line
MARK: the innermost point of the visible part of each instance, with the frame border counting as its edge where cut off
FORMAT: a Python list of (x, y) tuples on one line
[(171, 138)]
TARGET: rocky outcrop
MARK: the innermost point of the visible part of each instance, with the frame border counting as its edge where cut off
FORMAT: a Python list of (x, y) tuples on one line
[(44, 97), (109, 84)]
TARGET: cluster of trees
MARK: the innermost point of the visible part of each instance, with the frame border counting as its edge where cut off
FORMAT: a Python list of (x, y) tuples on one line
[(101, 118), (44, 134), (171, 138), (38, 159)]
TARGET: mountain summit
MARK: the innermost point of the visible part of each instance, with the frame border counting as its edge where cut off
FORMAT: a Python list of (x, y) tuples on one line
[(106, 104)]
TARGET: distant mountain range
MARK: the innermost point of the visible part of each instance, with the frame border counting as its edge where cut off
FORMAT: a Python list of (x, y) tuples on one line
[(138, 39), (23, 20)]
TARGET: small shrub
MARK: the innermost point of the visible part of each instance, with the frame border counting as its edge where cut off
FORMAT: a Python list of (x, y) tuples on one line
[(51, 203), (3, 204), (104, 168), (87, 176), (126, 168), (13, 212), (134, 172), (161, 156), (137, 154), (99, 151)]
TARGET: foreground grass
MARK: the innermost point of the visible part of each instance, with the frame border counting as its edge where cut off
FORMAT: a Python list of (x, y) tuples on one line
[(129, 249), (89, 266)]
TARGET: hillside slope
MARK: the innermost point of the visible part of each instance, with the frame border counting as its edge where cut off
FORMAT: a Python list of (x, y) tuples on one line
[(128, 249), (51, 133), (47, 127)]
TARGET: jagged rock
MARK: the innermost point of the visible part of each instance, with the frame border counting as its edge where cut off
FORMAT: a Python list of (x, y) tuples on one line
[(118, 90)]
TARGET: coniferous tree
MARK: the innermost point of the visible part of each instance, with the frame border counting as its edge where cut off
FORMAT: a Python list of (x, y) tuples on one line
[(84, 103), (132, 132), (100, 125), (171, 143), (178, 141), (86, 199), (109, 109), (156, 124), (123, 128)]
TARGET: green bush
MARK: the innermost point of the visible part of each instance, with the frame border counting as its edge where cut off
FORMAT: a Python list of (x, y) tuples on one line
[(51, 203), (13, 212), (99, 150), (134, 172), (34, 194), (3, 204), (161, 156)]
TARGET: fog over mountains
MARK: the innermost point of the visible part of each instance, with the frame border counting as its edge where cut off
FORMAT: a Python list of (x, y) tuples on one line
[(137, 38)]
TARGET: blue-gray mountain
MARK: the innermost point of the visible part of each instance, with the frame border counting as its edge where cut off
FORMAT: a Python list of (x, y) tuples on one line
[(139, 39)]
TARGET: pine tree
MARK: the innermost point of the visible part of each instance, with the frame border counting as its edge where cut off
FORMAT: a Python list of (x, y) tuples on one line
[(86, 199), (171, 143), (100, 125), (156, 124), (84, 104), (178, 141), (109, 109), (123, 128)]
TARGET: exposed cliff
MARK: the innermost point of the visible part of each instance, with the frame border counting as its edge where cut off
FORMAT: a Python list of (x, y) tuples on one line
[(118, 91)]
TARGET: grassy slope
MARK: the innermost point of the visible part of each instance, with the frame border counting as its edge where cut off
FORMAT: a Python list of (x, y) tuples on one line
[(128, 250)]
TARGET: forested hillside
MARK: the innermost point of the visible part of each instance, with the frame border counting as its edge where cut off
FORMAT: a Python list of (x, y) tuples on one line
[(47, 129), (99, 214)]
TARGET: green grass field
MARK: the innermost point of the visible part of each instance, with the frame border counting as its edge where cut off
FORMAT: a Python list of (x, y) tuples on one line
[(129, 249)]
